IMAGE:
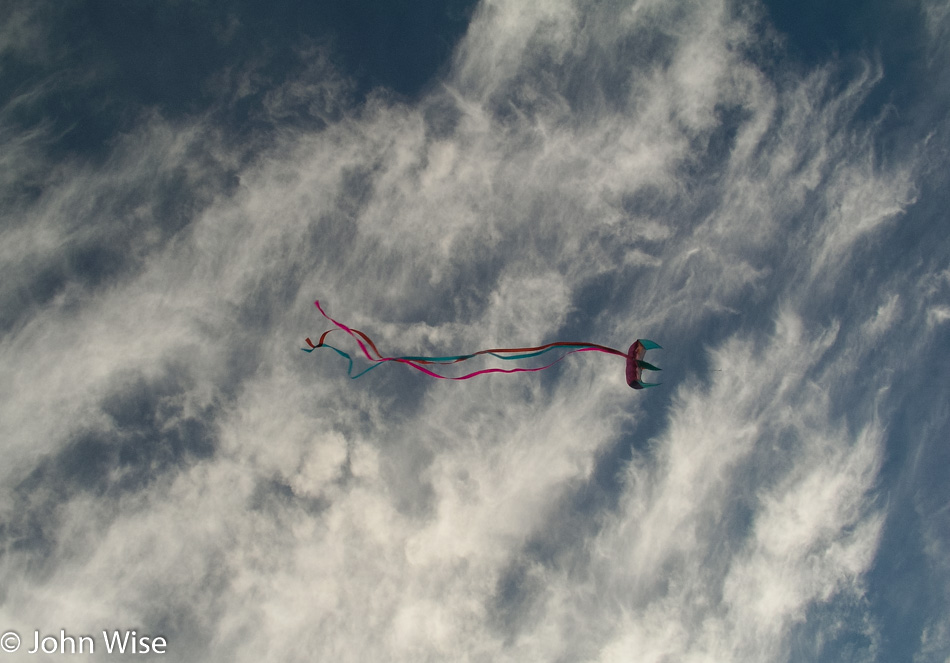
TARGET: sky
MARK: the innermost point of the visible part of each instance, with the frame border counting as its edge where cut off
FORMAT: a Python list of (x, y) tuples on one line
[(759, 187)]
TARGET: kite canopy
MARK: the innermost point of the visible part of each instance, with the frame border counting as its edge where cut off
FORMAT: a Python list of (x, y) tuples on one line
[(636, 365)]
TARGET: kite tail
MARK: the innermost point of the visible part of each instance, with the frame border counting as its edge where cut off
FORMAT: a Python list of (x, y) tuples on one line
[(318, 345), (365, 343)]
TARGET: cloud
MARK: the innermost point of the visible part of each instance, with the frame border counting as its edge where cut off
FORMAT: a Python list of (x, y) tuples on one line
[(23, 34), (583, 170), (751, 506)]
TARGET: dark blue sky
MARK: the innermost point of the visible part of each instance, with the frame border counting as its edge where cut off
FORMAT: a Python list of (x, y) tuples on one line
[(118, 58)]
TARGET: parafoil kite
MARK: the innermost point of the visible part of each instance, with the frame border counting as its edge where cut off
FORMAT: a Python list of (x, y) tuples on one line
[(634, 356)]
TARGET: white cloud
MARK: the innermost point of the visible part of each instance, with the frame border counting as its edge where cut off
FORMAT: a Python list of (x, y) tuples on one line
[(394, 519), (938, 314)]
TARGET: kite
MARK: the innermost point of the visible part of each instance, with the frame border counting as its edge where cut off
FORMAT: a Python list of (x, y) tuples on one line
[(634, 356)]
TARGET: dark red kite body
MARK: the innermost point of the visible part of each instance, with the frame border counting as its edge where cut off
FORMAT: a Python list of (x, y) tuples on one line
[(636, 365)]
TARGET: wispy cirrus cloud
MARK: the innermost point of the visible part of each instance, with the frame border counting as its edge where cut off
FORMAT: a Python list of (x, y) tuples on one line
[(590, 171)]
